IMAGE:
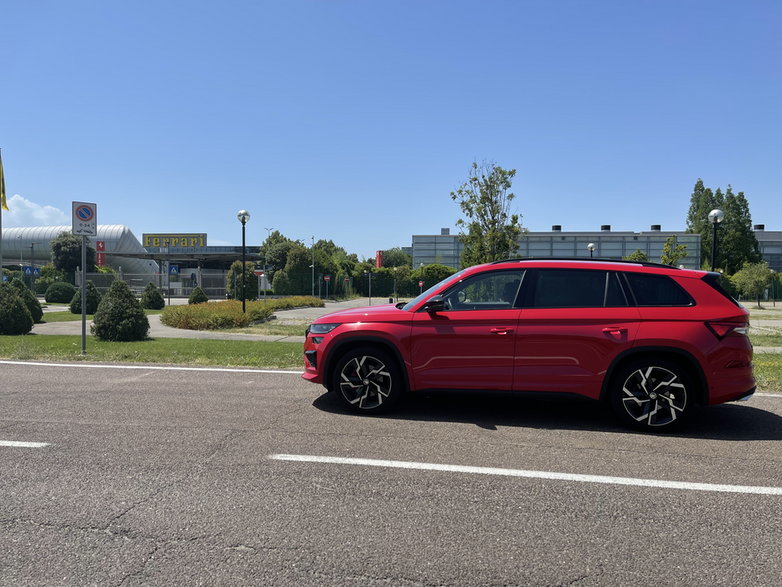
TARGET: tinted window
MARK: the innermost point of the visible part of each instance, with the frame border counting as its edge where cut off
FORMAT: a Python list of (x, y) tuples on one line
[(488, 291), (576, 288), (657, 290)]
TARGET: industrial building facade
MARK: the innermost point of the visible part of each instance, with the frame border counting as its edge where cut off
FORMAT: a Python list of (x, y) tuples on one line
[(445, 248)]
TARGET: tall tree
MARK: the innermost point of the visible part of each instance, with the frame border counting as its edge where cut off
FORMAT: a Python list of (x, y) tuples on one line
[(673, 252), (489, 231), (736, 242), (66, 254), (396, 257)]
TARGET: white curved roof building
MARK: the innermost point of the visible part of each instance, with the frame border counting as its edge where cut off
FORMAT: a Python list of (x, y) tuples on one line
[(26, 244)]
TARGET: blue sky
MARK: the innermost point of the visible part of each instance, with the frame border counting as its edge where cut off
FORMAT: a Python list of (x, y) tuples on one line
[(354, 120)]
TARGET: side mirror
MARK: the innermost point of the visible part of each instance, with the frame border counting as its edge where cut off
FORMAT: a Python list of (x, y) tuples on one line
[(435, 304)]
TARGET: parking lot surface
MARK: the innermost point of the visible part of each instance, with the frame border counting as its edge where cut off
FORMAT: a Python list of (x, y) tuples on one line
[(141, 475)]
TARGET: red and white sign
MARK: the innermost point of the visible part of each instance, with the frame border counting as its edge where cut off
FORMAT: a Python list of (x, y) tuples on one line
[(258, 272), (420, 284), (100, 246), (327, 278), (100, 259)]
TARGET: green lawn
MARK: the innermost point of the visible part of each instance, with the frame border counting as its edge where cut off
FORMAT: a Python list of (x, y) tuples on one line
[(178, 351)]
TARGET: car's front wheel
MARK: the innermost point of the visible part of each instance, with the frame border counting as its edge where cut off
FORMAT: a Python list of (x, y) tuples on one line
[(367, 380), (652, 395)]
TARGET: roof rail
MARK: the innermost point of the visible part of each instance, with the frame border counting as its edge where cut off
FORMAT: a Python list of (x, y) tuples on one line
[(589, 259)]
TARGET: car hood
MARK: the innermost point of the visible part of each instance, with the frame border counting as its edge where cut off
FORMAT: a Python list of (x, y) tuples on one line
[(365, 314)]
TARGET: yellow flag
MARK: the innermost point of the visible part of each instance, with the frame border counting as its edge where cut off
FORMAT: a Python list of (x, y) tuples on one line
[(3, 203)]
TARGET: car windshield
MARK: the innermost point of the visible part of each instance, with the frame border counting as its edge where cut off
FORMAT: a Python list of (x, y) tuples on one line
[(414, 302)]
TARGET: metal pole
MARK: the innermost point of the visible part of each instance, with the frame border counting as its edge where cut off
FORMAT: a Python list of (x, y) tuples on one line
[(713, 244), (243, 262), (83, 295), (313, 267)]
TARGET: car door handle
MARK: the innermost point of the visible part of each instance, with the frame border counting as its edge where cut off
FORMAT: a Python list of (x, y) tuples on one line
[(615, 331), (501, 331)]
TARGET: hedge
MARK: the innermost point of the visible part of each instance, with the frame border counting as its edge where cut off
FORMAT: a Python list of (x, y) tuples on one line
[(228, 314)]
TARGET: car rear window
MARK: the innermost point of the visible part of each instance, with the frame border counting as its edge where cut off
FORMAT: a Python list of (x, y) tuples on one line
[(657, 290), (575, 288)]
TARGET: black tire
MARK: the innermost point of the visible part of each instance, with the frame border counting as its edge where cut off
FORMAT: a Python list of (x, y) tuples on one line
[(367, 380), (652, 395)]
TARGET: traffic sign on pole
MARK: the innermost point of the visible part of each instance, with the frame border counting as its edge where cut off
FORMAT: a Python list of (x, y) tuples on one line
[(85, 219)]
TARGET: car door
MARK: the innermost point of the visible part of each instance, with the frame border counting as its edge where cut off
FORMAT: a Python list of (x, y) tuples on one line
[(573, 323), (471, 343)]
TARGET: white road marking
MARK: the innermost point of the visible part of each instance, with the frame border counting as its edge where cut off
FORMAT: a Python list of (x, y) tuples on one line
[(19, 444), (152, 367), (654, 483)]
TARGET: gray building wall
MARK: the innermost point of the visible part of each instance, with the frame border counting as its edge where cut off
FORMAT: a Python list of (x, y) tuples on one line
[(446, 249)]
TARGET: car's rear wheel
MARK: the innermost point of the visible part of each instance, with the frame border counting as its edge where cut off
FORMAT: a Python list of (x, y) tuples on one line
[(652, 395), (367, 380)]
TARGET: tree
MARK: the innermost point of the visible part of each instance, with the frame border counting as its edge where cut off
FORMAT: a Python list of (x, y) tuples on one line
[(489, 231), (637, 255), (396, 257), (93, 299), (152, 298), (119, 316), (673, 252), (753, 279), (15, 318), (234, 281), (66, 254), (736, 242)]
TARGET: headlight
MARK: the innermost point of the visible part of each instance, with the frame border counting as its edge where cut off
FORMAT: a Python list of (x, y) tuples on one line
[(322, 328)]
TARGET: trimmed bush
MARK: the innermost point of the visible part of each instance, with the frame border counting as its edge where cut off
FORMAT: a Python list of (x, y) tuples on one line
[(217, 315), (152, 298), (29, 299), (15, 318), (119, 316), (59, 293), (93, 299), (197, 296)]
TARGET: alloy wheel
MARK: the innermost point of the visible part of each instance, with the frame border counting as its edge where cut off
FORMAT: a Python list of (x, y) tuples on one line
[(654, 396), (365, 382)]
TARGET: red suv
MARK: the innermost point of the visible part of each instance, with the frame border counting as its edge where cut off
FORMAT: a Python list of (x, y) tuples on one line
[(651, 340)]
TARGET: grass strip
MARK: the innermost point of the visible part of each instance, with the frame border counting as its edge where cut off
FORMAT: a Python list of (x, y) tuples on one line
[(176, 351), (768, 371)]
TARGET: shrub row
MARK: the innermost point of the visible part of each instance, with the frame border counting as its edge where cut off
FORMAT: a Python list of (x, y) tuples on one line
[(228, 314)]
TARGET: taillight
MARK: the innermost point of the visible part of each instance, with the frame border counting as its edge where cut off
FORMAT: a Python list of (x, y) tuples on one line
[(723, 329)]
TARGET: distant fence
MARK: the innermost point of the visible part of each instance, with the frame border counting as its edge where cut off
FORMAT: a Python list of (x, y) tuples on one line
[(213, 284)]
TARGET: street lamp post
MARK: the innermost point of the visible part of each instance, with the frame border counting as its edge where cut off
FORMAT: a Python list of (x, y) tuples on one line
[(243, 216), (715, 217), (369, 274), (32, 267), (591, 247), (266, 257), (313, 267)]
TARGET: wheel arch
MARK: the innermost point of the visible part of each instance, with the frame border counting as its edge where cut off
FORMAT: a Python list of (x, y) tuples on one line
[(677, 355), (354, 342)]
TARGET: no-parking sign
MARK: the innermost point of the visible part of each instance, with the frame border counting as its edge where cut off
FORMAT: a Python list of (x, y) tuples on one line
[(85, 219)]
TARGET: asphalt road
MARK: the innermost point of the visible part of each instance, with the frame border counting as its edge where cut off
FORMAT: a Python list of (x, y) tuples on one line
[(156, 476)]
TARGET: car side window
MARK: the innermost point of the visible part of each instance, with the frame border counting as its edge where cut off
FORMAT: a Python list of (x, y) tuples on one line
[(575, 288), (496, 290), (657, 290)]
